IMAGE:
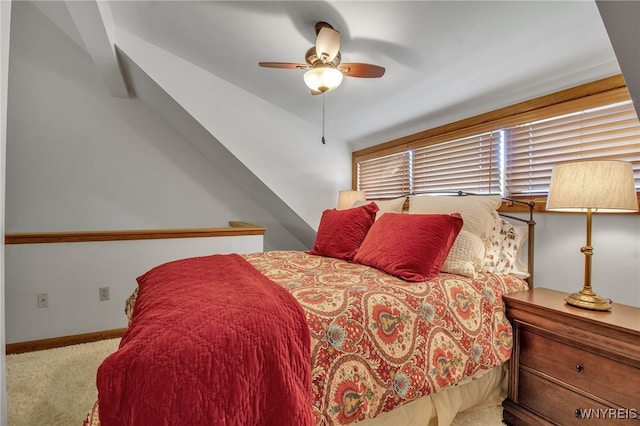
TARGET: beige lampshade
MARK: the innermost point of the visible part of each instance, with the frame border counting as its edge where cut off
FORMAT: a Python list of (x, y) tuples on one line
[(347, 198), (601, 185)]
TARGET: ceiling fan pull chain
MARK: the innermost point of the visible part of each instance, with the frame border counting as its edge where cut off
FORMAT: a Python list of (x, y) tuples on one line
[(323, 141)]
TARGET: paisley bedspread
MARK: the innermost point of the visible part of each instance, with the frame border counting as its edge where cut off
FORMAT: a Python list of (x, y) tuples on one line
[(378, 342)]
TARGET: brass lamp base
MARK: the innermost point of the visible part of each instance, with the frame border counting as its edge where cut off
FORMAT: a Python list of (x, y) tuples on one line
[(588, 300)]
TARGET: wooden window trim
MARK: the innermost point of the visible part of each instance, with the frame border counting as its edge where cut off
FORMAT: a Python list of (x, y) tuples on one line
[(614, 87), (605, 85), (605, 91)]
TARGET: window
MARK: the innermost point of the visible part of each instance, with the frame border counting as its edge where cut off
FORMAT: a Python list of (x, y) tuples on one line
[(611, 132), (386, 177), (469, 164), (512, 155)]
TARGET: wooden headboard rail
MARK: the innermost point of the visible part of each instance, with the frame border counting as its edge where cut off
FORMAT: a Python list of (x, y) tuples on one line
[(236, 228), (531, 233)]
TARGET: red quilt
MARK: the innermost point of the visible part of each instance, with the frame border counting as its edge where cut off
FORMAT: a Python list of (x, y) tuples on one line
[(211, 341)]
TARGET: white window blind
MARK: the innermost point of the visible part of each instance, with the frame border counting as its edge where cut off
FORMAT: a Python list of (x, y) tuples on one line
[(471, 164), (513, 161), (386, 177), (607, 133)]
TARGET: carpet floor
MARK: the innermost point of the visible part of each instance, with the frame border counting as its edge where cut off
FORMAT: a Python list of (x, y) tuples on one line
[(56, 387)]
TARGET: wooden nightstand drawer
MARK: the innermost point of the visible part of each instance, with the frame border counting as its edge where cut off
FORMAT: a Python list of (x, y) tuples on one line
[(556, 403), (613, 381), (566, 359)]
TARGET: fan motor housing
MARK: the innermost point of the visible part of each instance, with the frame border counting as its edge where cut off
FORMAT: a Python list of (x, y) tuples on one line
[(311, 57)]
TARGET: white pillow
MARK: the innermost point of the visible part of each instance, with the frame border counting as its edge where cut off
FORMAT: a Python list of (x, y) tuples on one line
[(476, 210), (385, 206), (468, 252), (466, 255)]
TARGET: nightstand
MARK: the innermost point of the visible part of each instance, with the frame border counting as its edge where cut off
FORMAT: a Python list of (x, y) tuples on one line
[(570, 363)]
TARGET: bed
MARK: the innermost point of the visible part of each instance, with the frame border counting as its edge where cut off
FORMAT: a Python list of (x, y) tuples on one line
[(396, 333)]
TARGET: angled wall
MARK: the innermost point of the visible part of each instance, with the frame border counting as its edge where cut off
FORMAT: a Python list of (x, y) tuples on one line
[(279, 148), (81, 159), (5, 24)]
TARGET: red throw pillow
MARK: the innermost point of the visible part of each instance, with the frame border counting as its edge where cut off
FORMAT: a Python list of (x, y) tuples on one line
[(341, 231), (410, 246)]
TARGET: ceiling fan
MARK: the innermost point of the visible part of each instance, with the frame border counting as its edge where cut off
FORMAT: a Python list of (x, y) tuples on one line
[(325, 71)]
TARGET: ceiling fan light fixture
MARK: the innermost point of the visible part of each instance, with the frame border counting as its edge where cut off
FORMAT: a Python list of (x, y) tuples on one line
[(323, 78), (323, 62)]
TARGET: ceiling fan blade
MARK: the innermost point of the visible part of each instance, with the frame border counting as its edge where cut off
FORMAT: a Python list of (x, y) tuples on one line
[(356, 69), (327, 44), (285, 65)]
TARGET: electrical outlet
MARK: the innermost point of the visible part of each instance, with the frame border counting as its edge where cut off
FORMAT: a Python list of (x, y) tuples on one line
[(104, 293), (43, 300)]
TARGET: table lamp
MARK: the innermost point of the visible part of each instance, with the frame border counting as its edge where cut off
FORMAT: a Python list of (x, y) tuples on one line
[(598, 186)]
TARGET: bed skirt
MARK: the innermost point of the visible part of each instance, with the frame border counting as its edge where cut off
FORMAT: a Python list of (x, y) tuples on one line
[(481, 391), (484, 390)]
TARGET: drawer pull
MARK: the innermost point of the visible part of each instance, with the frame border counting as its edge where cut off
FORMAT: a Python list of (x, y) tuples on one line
[(579, 368)]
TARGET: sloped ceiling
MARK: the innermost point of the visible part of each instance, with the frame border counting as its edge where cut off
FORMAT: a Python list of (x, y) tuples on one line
[(444, 60)]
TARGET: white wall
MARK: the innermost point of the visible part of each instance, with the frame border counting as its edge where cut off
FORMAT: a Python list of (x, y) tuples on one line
[(280, 149), (79, 159), (5, 23), (616, 254), (72, 273)]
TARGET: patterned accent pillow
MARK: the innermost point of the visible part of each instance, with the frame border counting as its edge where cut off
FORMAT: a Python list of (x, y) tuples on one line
[(410, 246), (341, 231), (504, 244)]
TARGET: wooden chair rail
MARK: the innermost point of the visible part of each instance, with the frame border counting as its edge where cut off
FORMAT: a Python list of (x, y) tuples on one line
[(236, 228)]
